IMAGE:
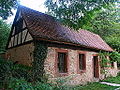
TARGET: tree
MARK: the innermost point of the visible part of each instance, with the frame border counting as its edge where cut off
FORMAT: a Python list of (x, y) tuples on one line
[(103, 22), (106, 24), (71, 12), (4, 32), (114, 41), (6, 7)]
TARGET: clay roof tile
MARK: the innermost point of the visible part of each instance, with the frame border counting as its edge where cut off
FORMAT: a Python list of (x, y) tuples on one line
[(47, 27)]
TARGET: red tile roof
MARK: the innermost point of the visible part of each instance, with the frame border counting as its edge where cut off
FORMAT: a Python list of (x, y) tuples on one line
[(43, 26)]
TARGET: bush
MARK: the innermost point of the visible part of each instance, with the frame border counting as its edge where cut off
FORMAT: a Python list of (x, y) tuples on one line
[(22, 84), (16, 77), (115, 56), (19, 84), (43, 86), (9, 69)]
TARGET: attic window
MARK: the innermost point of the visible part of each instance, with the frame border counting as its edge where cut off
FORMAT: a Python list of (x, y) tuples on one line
[(62, 61)]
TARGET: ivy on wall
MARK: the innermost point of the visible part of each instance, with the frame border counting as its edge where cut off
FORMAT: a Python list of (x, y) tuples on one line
[(115, 57), (103, 59), (106, 62), (40, 54)]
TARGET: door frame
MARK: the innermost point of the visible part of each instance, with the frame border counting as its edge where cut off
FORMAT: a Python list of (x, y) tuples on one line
[(96, 67)]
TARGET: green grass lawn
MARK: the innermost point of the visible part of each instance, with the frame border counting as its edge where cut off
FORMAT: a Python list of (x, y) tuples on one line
[(94, 86), (98, 86), (113, 80)]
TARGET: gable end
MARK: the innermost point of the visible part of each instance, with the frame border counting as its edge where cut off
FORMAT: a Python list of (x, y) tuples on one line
[(19, 32)]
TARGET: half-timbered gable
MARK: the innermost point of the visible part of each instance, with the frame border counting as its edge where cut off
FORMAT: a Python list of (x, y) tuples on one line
[(19, 32)]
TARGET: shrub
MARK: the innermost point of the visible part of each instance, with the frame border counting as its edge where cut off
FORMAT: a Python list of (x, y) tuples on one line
[(9, 69), (115, 56), (22, 84), (19, 84), (43, 86)]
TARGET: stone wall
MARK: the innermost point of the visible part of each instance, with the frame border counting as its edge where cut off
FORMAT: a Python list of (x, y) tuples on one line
[(23, 54), (113, 70), (73, 77), (110, 71)]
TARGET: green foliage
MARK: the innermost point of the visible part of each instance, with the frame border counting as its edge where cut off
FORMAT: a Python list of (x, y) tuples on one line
[(15, 76), (114, 41), (104, 60), (9, 69), (105, 22), (19, 84), (43, 86), (22, 84), (113, 79), (4, 33), (40, 53), (115, 57), (95, 86), (6, 7), (72, 12)]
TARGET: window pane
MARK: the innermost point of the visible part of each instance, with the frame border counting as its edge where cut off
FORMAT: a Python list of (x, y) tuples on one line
[(62, 62), (81, 61)]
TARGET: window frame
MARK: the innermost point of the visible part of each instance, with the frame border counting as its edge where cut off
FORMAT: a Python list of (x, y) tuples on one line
[(99, 66), (79, 71), (56, 62)]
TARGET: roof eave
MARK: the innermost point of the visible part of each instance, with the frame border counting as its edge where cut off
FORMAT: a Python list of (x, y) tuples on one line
[(73, 44)]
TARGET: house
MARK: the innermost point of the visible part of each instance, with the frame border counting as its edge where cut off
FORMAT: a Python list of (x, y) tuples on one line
[(71, 53)]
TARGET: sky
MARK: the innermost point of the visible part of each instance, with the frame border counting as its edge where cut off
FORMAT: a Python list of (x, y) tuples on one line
[(34, 4)]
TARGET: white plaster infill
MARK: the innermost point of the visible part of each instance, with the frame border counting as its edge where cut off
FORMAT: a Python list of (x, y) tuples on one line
[(111, 84)]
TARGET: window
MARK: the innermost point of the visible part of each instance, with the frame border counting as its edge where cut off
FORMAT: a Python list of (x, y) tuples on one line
[(82, 62), (62, 62)]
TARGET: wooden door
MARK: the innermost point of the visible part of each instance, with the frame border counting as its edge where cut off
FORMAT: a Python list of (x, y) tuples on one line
[(95, 66)]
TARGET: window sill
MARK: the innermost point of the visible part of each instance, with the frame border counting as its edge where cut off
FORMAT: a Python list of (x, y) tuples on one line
[(81, 71)]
